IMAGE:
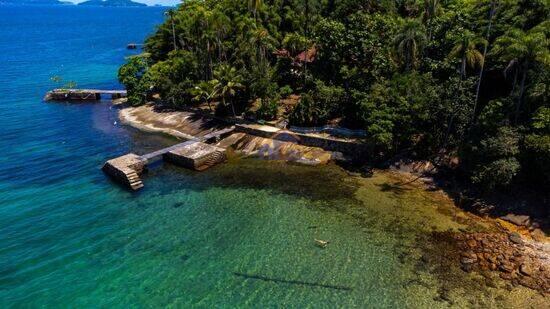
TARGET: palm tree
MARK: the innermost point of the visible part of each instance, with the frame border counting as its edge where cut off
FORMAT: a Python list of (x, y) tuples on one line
[(410, 42), (171, 14), (466, 50), (254, 6), (205, 91), (492, 11), (209, 37), (260, 37), (432, 9), (229, 81), (220, 26), (244, 25), (523, 49)]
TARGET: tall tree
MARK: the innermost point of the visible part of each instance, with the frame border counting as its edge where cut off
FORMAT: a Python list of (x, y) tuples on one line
[(432, 9), (492, 11), (525, 49), (205, 91), (171, 14), (410, 42), (254, 6), (229, 82), (221, 25), (263, 41), (465, 49)]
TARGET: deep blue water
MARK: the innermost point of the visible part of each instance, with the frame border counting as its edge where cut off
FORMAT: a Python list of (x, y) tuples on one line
[(69, 237)]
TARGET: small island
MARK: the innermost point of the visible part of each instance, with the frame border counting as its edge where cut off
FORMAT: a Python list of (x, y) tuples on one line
[(113, 3)]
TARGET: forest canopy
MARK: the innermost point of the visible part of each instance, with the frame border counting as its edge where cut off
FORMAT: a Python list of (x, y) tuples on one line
[(464, 78)]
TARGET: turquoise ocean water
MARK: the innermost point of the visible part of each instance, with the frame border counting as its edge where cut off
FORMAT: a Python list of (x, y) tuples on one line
[(238, 235)]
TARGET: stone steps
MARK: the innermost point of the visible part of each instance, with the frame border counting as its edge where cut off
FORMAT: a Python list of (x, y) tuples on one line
[(133, 180), (214, 159)]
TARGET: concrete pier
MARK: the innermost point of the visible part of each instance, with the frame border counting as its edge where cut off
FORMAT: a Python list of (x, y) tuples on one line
[(82, 94), (193, 154), (198, 156)]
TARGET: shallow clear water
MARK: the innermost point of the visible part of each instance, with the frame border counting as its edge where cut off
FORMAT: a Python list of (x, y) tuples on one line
[(240, 234)]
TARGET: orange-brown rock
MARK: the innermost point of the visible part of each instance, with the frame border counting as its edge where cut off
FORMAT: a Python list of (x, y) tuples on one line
[(522, 262)]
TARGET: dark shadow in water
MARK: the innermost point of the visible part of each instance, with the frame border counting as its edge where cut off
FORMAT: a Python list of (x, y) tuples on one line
[(393, 188), (298, 282), (313, 183)]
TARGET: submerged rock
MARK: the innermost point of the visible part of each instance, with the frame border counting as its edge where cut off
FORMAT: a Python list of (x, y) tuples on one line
[(517, 219), (525, 269), (515, 238), (521, 262)]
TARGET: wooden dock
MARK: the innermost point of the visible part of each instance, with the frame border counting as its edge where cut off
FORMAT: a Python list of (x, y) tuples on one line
[(82, 94), (194, 154)]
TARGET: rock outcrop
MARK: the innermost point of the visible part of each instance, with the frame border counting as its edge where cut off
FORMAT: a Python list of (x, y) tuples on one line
[(518, 260)]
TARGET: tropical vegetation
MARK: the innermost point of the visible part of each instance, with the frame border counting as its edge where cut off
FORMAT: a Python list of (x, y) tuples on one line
[(463, 79)]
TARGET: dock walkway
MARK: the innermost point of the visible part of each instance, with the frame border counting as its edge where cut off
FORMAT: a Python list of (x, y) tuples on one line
[(155, 154)]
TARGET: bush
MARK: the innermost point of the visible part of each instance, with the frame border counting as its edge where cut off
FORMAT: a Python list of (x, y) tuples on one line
[(503, 144), (330, 99), (285, 91), (130, 75), (318, 106), (305, 113), (262, 83), (377, 116), (497, 174), (541, 120), (493, 162), (268, 109)]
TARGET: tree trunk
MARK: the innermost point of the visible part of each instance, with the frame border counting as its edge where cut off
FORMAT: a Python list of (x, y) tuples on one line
[(515, 82), (209, 55), (219, 49), (174, 33), (491, 14), (233, 109), (463, 67), (448, 133), (521, 91)]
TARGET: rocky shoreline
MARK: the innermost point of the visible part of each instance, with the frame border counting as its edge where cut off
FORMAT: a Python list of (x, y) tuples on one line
[(187, 125), (515, 259)]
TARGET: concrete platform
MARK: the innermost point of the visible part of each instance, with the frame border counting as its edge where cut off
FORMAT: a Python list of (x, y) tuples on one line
[(126, 170), (198, 156)]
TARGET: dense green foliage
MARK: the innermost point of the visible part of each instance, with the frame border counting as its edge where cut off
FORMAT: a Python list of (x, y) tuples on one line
[(466, 78)]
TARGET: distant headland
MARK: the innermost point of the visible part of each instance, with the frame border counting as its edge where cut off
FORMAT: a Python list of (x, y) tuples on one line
[(118, 3), (102, 3)]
